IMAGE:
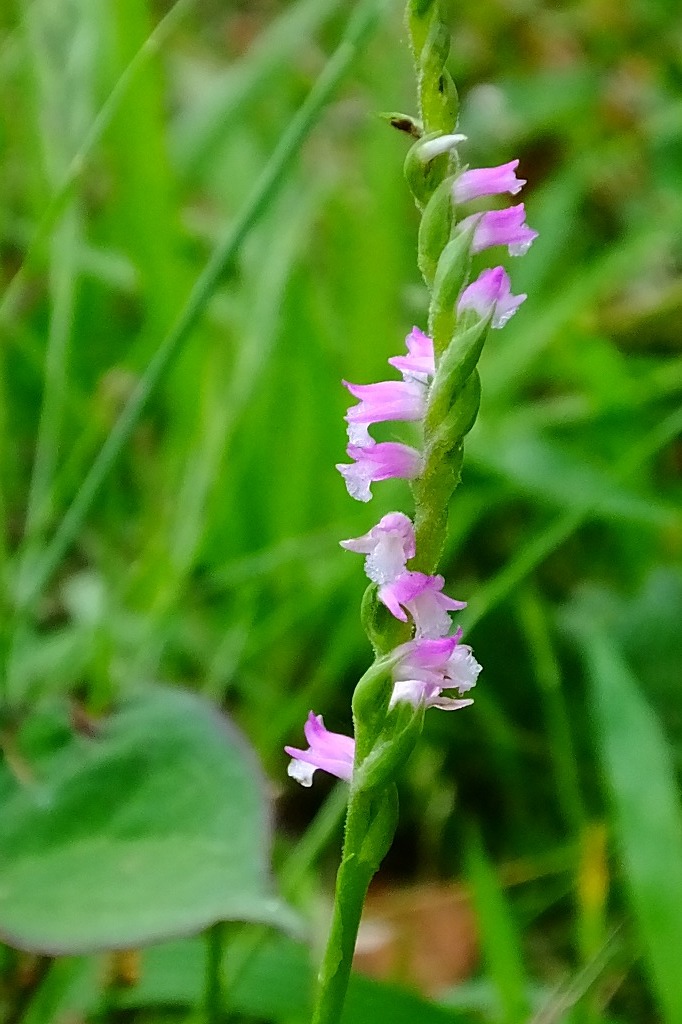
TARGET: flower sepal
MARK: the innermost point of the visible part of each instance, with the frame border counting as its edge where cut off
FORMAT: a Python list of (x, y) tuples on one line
[(393, 745), (447, 434), (371, 700), (380, 830), (434, 229), (383, 630), (450, 278), (427, 162), (456, 366)]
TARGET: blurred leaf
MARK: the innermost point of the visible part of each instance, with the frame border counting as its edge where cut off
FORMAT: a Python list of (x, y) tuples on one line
[(641, 778), (501, 945), (550, 473), (274, 982), (151, 825), (654, 649), (67, 992), (199, 129)]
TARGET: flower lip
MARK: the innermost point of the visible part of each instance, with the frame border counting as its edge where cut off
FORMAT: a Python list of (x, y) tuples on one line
[(462, 669), (417, 692)]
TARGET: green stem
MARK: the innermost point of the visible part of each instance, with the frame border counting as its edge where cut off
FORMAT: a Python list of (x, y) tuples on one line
[(443, 260), (360, 27), (429, 31), (372, 813), (370, 826), (351, 888)]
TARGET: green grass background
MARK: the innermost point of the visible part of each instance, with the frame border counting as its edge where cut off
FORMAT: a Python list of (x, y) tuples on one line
[(131, 135)]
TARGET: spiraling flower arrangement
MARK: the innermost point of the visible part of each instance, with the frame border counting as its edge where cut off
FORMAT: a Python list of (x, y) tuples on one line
[(420, 660), (433, 661)]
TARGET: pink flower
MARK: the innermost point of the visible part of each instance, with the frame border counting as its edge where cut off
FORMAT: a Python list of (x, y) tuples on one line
[(419, 364), (501, 227), (426, 658), (444, 661), (490, 295), (330, 751), (427, 667), (378, 462), (388, 545), (386, 400), (422, 597), (487, 181)]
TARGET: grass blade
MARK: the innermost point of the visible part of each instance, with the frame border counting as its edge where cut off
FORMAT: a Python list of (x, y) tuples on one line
[(641, 777), (501, 945), (359, 28), (541, 545)]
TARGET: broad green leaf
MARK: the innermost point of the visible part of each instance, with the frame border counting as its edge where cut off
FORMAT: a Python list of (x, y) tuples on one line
[(152, 826), (641, 778), (501, 944)]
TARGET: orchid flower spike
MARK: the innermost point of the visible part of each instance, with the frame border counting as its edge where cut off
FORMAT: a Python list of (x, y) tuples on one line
[(378, 462), (490, 296), (500, 227), (388, 546), (331, 751), (487, 181)]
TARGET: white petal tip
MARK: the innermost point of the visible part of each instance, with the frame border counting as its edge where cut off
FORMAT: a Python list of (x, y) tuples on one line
[(301, 772)]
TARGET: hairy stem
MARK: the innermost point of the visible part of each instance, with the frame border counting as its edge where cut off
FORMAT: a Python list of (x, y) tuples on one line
[(370, 827), (429, 30)]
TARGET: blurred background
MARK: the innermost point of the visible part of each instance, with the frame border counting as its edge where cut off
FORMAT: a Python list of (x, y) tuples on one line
[(537, 870)]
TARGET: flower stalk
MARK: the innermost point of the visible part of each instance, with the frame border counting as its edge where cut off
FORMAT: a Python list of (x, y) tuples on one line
[(406, 613)]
